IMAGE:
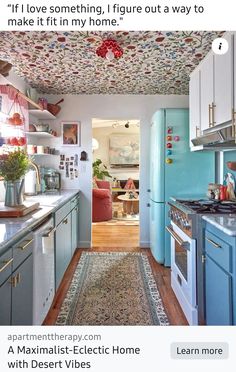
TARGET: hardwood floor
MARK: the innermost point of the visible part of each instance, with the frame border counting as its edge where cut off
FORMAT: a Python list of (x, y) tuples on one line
[(116, 238)]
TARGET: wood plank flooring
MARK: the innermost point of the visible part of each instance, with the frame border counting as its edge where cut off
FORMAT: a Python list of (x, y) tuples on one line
[(115, 236), (125, 239)]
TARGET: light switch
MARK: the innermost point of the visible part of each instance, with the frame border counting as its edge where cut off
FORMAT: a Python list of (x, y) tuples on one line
[(83, 168)]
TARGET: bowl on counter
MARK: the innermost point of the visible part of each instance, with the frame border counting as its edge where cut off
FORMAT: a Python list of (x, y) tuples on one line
[(41, 127)]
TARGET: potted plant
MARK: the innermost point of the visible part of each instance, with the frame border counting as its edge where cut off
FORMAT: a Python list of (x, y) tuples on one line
[(13, 167), (100, 170)]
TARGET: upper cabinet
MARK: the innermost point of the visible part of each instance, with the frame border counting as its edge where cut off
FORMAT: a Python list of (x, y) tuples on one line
[(207, 92), (223, 84), (212, 91), (234, 81), (194, 105)]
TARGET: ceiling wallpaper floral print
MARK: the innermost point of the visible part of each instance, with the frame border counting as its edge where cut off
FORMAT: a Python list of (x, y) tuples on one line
[(66, 62)]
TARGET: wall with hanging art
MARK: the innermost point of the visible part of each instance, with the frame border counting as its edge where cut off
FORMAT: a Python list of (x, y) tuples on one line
[(124, 150), (70, 133), (102, 135), (68, 166)]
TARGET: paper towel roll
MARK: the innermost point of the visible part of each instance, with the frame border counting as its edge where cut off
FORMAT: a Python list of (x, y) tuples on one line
[(30, 182)]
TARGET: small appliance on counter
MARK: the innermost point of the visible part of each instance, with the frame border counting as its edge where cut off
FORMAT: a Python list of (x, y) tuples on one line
[(50, 180)]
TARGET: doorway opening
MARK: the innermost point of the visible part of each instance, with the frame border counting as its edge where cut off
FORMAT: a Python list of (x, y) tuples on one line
[(115, 191)]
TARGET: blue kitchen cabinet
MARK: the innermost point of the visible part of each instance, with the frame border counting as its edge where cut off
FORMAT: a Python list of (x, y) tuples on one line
[(74, 229), (218, 294), (22, 293), (220, 277), (5, 306), (5, 287), (16, 283), (22, 282), (66, 236), (62, 241), (63, 248)]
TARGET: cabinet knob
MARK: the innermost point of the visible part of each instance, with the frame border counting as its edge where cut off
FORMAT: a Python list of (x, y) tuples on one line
[(65, 221), (148, 190)]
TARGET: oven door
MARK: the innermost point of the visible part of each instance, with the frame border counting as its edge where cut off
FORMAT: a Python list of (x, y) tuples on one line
[(183, 264)]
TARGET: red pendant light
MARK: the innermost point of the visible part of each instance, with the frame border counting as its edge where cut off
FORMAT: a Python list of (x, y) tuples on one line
[(109, 50)]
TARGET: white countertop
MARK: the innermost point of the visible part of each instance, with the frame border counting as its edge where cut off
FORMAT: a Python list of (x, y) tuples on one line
[(226, 224), (12, 229)]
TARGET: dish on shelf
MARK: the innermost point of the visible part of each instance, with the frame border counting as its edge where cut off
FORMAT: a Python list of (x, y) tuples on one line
[(41, 127)]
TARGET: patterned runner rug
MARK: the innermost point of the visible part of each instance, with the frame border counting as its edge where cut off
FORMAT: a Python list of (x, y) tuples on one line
[(114, 288)]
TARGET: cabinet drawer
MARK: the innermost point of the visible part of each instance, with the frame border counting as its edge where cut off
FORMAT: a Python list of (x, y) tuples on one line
[(22, 250), (5, 265), (62, 212), (219, 250)]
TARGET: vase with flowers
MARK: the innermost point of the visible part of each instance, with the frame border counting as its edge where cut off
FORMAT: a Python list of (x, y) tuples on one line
[(13, 167)]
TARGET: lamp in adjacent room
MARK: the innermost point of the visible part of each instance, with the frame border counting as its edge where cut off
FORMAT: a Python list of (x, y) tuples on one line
[(95, 144)]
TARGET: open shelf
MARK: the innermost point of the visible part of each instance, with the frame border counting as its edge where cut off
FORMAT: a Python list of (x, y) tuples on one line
[(43, 154), (42, 114), (39, 134)]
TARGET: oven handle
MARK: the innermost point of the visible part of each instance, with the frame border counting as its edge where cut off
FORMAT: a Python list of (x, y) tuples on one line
[(175, 236)]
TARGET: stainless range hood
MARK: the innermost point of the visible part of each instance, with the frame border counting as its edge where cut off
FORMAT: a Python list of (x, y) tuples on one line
[(218, 138)]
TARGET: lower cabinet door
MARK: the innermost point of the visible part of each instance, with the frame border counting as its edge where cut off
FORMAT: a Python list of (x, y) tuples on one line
[(218, 294), (5, 303), (63, 248), (22, 293), (74, 229)]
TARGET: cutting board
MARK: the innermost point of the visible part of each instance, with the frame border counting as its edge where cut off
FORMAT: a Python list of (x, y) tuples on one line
[(20, 211)]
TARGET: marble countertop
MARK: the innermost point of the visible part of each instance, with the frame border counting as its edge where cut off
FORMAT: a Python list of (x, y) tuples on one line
[(226, 224), (12, 229)]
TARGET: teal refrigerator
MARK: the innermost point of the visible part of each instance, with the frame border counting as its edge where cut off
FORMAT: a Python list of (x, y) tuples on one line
[(174, 171)]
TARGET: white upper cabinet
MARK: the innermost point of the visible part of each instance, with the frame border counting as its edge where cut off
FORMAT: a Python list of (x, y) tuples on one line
[(234, 81), (194, 105), (207, 92), (223, 84), (212, 90)]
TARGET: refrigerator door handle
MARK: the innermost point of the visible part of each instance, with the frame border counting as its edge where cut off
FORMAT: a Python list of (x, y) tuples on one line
[(176, 237)]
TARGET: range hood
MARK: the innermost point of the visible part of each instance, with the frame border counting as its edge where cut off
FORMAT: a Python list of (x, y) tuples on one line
[(215, 139)]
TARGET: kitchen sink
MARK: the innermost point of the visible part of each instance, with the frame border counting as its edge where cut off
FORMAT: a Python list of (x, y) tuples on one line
[(45, 199)]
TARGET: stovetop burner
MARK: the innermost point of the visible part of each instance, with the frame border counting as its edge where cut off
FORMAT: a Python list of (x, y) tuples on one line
[(210, 206)]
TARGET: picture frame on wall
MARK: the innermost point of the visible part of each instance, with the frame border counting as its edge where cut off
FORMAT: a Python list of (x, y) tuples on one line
[(70, 131)]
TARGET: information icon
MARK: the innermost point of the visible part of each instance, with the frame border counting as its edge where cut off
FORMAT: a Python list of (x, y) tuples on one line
[(220, 45)]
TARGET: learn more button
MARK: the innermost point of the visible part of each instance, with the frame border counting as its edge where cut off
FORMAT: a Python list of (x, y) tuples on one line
[(199, 350)]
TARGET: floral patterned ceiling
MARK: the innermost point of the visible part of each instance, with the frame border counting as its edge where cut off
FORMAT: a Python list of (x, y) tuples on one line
[(66, 62)]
